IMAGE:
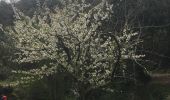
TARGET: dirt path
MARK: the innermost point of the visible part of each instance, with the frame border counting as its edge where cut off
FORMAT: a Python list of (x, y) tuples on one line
[(161, 78)]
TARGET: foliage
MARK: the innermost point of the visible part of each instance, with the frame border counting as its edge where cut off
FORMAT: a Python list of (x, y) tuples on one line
[(6, 14), (6, 50)]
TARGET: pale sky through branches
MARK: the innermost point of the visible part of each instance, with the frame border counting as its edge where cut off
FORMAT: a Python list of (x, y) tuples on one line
[(5, 0), (9, 0)]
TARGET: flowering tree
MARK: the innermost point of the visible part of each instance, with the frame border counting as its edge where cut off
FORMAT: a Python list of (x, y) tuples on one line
[(74, 39)]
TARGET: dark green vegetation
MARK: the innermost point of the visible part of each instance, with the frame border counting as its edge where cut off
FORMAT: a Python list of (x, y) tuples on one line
[(84, 49)]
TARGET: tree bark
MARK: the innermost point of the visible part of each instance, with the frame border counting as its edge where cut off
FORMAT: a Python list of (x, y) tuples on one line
[(81, 97)]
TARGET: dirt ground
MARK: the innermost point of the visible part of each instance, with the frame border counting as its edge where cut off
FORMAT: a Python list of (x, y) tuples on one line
[(161, 78)]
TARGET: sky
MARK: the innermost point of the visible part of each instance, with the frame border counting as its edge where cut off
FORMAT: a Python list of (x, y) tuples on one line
[(9, 0), (5, 0)]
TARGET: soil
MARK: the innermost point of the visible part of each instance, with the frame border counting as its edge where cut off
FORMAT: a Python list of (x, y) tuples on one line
[(160, 78)]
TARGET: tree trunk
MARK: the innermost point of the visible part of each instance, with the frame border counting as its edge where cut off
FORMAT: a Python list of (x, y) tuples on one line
[(81, 97)]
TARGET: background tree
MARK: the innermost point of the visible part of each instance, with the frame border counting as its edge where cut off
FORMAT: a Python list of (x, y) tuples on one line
[(6, 14)]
